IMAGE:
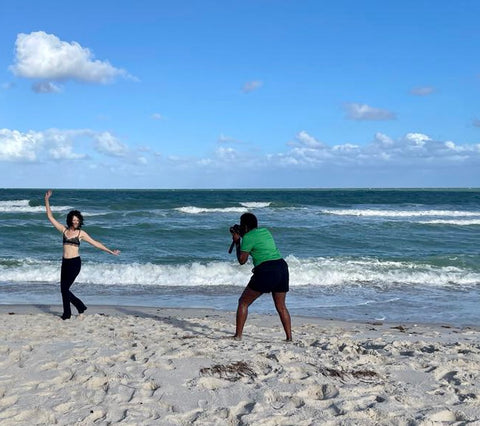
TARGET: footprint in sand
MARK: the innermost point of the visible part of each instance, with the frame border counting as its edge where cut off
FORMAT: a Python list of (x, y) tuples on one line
[(286, 401), (318, 393), (448, 376)]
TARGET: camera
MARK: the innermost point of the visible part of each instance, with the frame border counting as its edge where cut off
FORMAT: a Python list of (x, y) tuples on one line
[(235, 229)]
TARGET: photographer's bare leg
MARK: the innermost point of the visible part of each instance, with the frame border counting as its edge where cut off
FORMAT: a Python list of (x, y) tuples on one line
[(281, 307), (246, 299)]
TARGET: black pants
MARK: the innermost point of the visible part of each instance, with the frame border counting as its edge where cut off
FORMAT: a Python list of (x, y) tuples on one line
[(70, 270)]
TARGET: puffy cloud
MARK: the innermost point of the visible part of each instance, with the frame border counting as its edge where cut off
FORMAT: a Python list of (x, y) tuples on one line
[(305, 154), (251, 86), (45, 57), (417, 139), (413, 148), (64, 151), (365, 112), (58, 144), (17, 146), (346, 148), (228, 154), (422, 91), (37, 146), (305, 149), (108, 144), (308, 141), (383, 140), (55, 144)]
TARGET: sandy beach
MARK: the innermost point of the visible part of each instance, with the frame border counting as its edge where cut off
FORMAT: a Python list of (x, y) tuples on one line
[(154, 366)]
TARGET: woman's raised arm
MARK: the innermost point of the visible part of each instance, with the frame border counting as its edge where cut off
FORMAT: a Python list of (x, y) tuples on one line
[(54, 222)]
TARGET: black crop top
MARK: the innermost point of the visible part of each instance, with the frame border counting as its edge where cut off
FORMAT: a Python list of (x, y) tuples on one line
[(75, 241)]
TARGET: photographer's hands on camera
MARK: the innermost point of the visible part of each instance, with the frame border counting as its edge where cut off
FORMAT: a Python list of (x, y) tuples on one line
[(235, 230)]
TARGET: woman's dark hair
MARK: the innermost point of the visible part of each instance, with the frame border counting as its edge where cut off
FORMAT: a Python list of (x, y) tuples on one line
[(249, 220), (70, 218)]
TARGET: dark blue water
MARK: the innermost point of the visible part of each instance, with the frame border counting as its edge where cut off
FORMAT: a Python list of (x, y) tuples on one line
[(397, 255)]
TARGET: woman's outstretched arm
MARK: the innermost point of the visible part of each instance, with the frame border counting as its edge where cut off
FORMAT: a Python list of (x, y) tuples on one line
[(84, 236), (54, 222)]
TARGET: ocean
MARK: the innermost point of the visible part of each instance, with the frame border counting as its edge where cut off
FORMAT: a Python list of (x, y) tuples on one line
[(403, 255)]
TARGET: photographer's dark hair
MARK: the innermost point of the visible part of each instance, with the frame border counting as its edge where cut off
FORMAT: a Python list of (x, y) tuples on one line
[(70, 218), (249, 220)]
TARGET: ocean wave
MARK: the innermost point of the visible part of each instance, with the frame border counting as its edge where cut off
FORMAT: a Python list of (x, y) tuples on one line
[(256, 204), (459, 222), (245, 206), (325, 272), (23, 206), (199, 210), (400, 213)]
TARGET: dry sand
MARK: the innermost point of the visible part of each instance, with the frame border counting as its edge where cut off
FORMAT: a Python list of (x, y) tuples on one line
[(152, 366)]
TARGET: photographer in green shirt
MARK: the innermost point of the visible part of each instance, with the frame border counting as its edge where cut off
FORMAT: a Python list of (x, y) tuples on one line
[(270, 274)]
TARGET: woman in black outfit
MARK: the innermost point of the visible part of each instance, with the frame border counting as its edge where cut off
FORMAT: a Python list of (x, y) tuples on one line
[(71, 262)]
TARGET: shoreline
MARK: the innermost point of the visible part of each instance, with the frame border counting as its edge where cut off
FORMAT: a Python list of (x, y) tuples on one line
[(199, 312), (176, 366)]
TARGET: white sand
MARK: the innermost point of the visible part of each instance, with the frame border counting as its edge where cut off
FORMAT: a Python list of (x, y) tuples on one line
[(149, 366)]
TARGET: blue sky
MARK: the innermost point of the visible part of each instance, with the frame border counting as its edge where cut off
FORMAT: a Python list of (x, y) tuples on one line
[(239, 94)]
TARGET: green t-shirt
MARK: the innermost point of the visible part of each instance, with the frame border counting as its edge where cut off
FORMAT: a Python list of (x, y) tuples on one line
[(261, 246)]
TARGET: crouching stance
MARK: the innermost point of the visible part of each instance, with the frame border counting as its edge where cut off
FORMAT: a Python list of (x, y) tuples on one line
[(270, 273)]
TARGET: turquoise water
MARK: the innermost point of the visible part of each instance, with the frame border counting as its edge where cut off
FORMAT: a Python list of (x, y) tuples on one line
[(394, 255)]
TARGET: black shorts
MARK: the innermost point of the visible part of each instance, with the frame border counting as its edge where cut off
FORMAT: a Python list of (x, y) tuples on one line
[(271, 276)]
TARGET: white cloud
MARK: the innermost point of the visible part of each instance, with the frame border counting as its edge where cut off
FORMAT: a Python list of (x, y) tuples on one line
[(108, 144), (305, 149), (45, 57), (346, 148), (46, 87), (307, 140), (251, 86), (227, 154), (417, 139), (398, 159), (383, 140), (413, 148), (55, 144), (365, 112), (422, 91), (17, 146), (157, 116), (64, 152)]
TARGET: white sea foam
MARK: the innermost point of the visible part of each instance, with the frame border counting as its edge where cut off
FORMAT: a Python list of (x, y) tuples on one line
[(313, 271), (400, 213), (256, 205), (23, 206), (458, 222), (199, 210)]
